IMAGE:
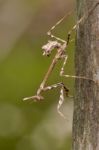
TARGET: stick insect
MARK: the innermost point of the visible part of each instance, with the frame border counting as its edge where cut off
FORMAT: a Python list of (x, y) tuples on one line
[(61, 54)]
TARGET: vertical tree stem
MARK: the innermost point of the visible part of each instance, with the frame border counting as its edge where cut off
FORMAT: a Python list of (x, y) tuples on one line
[(86, 103)]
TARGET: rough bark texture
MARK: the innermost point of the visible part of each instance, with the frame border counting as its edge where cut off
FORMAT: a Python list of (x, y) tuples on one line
[(86, 104)]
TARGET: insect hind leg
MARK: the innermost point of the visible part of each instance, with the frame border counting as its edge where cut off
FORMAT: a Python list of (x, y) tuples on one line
[(63, 91)]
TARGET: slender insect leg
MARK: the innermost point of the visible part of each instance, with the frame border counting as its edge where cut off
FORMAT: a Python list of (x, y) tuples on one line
[(63, 90), (71, 76), (34, 98), (83, 18), (38, 96), (63, 66), (49, 33), (61, 100), (60, 84)]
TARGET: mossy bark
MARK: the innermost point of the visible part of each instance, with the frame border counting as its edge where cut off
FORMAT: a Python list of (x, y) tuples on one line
[(86, 103)]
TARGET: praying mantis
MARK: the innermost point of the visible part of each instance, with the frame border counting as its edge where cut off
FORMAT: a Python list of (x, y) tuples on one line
[(60, 46)]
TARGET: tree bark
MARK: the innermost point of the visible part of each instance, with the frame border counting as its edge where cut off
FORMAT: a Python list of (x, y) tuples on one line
[(86, 103)]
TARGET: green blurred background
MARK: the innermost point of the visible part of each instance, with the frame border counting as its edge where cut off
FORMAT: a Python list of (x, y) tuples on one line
[(28, 125)]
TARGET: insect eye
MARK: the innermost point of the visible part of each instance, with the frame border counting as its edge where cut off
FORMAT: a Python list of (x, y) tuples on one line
[(46, 50), (46, 53)]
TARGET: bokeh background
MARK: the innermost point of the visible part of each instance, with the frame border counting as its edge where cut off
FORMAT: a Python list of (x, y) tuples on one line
[(28, 125)]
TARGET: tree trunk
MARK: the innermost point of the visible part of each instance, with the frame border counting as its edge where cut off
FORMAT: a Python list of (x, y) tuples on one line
[(86, 104)]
